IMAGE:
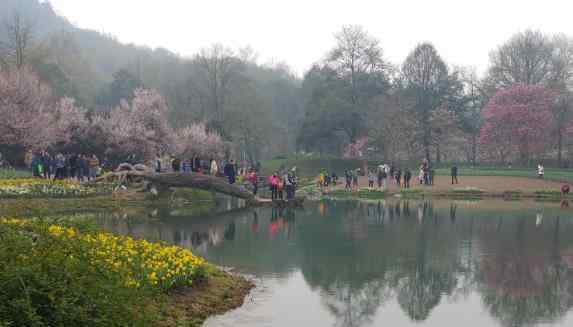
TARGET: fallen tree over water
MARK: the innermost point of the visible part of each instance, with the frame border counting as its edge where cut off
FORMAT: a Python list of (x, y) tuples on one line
[(162, 183)]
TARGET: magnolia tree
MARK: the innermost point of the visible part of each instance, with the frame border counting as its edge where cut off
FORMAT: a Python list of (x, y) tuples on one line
[(196, 139), (517, 122), (356, 149)]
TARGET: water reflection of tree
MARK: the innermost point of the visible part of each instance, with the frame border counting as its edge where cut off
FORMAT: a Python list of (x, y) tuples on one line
[(520, 285), (358, 268), (358, 256), (422, 283)]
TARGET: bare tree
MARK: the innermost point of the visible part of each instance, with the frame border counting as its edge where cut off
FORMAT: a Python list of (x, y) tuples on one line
[(426, 76), (525, 59), (219, 68), (561, 82), (19, 36), (356, 53)]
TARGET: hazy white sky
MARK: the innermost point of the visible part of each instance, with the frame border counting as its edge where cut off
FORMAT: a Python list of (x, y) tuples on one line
[(300, 32)]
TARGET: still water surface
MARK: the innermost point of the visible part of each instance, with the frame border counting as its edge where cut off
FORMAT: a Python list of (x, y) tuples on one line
[(403, 263)]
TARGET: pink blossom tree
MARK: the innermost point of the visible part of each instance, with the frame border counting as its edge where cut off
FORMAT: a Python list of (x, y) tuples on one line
[(196, 139), (517, 122), (139, 128), (26, 106)]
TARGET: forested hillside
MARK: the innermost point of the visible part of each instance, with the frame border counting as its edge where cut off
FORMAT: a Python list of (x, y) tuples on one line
[(257, 107), (352, 102)]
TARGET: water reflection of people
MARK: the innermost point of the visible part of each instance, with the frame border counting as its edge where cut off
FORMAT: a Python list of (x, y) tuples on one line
[(255, 224), (277, 221), (538, 218), (453, 209)]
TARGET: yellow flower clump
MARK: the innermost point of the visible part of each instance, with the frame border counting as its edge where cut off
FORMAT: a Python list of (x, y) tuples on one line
[(139, 262)]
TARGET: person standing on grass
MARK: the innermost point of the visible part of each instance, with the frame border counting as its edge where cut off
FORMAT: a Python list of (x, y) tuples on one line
[(398, 177), (407, 178), (454, 174), (348, 177), (540, 170), (371, 178), (355, 179), (379, 176)]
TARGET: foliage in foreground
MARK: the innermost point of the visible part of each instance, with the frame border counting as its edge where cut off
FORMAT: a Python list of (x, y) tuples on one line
[(37, 187), (52, 275)]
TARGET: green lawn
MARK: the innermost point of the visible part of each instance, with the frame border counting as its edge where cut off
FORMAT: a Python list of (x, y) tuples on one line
[(310, 167), (550, 173), (11, 173)]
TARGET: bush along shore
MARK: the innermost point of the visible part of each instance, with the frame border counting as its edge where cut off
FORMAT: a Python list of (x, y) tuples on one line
[(68, 273)]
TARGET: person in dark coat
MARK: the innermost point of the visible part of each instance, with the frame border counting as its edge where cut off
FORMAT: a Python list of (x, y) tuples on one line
[(407, 178), (230, 171), (454, 174)]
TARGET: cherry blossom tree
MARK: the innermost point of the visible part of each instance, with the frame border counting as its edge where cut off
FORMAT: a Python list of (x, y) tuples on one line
[(517, 121), (195, 139), (139, 128), (25, 110)]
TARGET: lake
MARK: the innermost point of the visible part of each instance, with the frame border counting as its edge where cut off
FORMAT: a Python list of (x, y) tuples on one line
[(394, 263)]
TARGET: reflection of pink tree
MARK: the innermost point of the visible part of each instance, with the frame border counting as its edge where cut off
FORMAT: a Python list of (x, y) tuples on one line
[(356, 149)]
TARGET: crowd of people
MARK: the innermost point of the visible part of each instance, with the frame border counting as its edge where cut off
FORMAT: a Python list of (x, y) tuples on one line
[(385, 175), (81, 167), (283, 183)]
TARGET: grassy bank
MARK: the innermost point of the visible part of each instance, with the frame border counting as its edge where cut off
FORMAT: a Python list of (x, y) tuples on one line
[(311, 167), (70, 274), (550, 174), (456, 193), (13, 173)]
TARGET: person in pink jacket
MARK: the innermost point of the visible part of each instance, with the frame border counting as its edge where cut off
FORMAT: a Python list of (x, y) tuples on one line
[(274, 184)]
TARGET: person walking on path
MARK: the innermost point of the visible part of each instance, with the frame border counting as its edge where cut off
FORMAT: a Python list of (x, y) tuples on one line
[(454, 174), (230, 172)]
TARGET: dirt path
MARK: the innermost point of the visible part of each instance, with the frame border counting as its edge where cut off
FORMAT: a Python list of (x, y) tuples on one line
[(484, 183)]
